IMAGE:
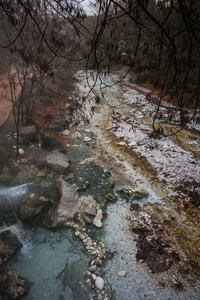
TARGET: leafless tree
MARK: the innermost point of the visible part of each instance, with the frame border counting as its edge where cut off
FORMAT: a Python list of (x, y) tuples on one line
[(172, 28)]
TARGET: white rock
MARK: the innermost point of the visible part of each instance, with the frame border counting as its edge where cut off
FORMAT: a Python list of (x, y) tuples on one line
[(76, 135), (21, 151), (88, 273), (97, 220), (87, 139), (99, 283), (122, 273), (121, 144), (93, 277), (66, 132)]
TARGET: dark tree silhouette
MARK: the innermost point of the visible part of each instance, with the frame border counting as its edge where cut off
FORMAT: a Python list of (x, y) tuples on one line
[(160, 38)]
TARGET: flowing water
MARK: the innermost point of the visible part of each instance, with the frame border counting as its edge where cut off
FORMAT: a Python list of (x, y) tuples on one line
[(54, 261)]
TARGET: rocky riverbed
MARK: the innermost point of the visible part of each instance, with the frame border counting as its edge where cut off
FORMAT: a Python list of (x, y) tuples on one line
[(127, 225)]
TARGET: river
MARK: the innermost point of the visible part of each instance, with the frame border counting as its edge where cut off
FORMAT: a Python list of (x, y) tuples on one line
[(56, 260)]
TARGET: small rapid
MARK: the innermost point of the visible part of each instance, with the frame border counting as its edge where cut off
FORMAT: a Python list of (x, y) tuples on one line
[(14, 193), (55, 262)]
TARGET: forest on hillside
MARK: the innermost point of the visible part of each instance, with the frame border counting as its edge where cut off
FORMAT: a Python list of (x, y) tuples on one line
[(157, 40)]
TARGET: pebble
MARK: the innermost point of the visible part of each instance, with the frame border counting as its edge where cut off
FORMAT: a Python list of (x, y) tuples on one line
[(97, 220), (21, 151), (66, 132), (41, 174), (98, 262), (24, 161), (92, 269), (99, 283), (100, 297), (88, 281), (87, 139), (93, 277), (122, 273), (89, 273)]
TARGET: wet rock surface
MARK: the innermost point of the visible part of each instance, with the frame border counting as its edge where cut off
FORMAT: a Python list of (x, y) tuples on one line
[(16, 286), (9, 245), (31, 206), (7, 216), (92, 180)]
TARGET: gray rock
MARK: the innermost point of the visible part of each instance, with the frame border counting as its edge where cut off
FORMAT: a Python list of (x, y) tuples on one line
[(92, 268), (57, 161), (99, 283), (99, 297), (24, 161), (87, 205), (66, 132), (68, 204), (30, 132), (93, 277)]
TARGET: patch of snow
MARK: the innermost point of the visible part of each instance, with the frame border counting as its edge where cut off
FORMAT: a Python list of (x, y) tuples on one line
[(173, 163)]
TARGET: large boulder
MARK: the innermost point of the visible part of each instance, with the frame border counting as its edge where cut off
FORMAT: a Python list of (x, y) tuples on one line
[(49, 143), (30, 133), (57, 161), (31, 205), (68, 204), (17, 286), (9, 245)]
